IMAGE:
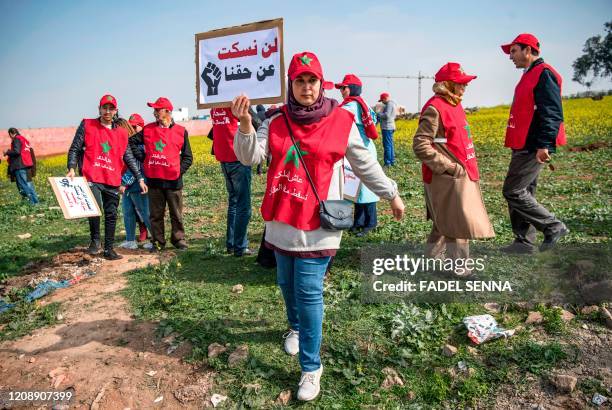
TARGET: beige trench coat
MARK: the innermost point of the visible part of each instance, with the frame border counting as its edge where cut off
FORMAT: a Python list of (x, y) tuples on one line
[(454, 202)]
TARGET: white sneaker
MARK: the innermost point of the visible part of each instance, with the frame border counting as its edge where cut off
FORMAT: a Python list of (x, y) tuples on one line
[(148, 246), (292, 342), (310, 385), (129, 245)]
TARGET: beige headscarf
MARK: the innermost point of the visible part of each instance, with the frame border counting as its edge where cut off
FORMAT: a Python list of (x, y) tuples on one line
[(446, 90)]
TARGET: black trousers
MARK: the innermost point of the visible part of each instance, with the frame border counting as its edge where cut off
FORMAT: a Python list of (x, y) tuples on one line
[(108, 200), (526, 214)]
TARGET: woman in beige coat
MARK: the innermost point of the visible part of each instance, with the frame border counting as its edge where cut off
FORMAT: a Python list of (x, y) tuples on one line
[(443, 143)]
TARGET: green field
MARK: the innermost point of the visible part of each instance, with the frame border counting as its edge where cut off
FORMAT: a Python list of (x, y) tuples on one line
[(191, 294)]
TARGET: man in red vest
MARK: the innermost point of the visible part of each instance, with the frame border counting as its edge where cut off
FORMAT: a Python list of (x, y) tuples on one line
[(99, 150), (534, 130), (237, 181), (20, 165), (166, 157)]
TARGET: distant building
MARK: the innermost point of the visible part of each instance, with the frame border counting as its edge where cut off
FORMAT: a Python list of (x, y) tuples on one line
[(182, 114)]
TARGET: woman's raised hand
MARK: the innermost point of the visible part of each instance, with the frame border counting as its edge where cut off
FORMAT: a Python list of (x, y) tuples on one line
[(240, 109)]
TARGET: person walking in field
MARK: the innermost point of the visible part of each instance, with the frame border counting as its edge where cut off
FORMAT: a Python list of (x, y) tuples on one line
[(535, 129), (443, 143), (387, 126), (21, 165)]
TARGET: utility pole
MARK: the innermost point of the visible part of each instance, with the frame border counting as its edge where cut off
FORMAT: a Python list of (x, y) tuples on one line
[(419, 77)]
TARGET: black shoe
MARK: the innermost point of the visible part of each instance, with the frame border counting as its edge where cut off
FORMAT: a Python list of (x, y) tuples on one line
[(244, 252), (181, 245), (551, 240), (229, 251), (94, 247), (157, 247), (111, 255), (519, 248)]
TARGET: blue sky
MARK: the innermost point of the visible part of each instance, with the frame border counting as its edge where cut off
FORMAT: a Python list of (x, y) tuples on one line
[(59, 57)]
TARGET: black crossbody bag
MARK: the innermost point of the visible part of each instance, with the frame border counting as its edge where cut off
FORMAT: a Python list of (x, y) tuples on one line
[(335, 214)]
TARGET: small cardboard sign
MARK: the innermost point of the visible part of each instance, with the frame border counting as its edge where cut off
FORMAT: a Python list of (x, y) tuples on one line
[(74, 197), (352, 183)]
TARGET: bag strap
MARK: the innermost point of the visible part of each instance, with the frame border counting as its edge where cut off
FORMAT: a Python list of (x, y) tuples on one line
[(300, 157)]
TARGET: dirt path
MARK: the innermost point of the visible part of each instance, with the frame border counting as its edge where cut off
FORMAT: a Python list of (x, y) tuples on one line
[(101, 352)]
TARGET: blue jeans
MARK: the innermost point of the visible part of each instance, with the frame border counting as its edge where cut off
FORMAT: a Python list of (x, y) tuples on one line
[(25, 187), (301, 283), (388, 148), (365, 216), (134, 204), (238, 184)]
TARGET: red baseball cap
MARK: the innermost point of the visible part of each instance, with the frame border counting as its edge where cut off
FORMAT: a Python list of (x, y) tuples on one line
[(349, 79), (161, 102), (136, 119), (526, 39), (108, 99), (307, 62), (383, 96), (453, 72)]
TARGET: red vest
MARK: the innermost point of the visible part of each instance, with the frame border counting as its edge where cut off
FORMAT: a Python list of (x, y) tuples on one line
[(26, 154), (523, 107), (289, 197), (163, 151), (104, 150), (224, 129), (458, 137)]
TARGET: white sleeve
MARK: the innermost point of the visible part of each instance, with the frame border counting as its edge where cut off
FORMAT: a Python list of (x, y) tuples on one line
[(367, 167)]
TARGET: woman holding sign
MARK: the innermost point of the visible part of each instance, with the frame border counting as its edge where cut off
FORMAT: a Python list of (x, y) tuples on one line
[(99, 149), (301, 173), (443, 142)]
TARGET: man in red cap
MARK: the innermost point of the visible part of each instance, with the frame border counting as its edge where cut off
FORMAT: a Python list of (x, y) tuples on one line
[(167, 156), (534, 130), (99, 149), (387, 125)]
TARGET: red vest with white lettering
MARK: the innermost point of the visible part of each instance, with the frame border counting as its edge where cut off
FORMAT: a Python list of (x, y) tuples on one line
[(458, 137), (224, 129), (523, 107), (26, 154), (289, 198), (104, 150), (163, 151)]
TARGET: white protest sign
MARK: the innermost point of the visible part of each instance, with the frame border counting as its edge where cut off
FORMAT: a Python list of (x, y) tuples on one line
[(352, 183), (74, 197), (245, 59)]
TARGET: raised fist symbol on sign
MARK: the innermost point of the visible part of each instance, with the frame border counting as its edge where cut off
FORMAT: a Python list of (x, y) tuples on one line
[(211, 76)]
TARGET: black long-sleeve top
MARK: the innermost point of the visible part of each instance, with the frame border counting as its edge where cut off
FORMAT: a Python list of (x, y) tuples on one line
[(14, 154), (77, 151), (186, 161), (548, 115)]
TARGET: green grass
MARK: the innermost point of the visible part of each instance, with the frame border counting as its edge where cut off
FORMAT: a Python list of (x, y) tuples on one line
[(191, 296)]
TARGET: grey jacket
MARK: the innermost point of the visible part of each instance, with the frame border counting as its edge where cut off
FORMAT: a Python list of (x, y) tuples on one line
[(387, 116)]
